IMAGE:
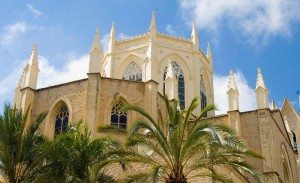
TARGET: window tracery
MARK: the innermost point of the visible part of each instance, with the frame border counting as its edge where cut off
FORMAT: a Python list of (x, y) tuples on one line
[(203, 97), (118, 116), (180, 77), (61, 121), (133, 72)]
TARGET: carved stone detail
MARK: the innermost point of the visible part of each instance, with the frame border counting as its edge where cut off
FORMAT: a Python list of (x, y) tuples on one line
[(174, 43)]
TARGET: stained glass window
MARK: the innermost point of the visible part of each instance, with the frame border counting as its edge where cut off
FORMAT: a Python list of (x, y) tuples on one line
[(203, 97), (133, 72), (118, 116), (180, 77), (61, 121)]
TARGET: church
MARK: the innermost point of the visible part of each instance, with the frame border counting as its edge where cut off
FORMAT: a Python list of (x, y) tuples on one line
[(137, 71)]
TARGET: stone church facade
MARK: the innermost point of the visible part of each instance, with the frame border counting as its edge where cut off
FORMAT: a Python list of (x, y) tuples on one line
[(138, 71)]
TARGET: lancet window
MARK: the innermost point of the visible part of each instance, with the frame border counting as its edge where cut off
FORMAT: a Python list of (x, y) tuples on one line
[(133, 72), (180, 77), (118, 116), (203, 97), (61, 121)]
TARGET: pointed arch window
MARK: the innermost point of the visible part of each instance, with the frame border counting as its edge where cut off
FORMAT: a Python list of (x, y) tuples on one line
[(133, 72), (118, 117), (61, 121), (180, 77), (203, 97)]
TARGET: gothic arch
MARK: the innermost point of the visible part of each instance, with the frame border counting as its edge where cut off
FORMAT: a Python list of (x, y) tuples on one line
[(117, 97), (126, 61), (53, 111), (286, 166), (203, 72), (179, 60), (182, 64)]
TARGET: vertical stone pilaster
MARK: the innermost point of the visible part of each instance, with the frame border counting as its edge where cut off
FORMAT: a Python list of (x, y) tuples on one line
[(267, 144), (27, 100), (235, 121), (94, 80), (150, 103)]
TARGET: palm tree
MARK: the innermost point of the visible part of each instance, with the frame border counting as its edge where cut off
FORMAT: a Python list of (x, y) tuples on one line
[(184, 147), (75, 157), (19, 145)]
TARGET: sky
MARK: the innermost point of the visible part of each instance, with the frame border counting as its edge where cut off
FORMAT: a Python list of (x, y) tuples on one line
[(244, 35)]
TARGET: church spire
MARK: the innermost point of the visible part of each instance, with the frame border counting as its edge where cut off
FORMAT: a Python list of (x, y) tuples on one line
[(34, 56), (233, 94), (152, 28), (112, 39), (112, 31), (261, 91), (31, 70), (96, 54), (194, 36), (274, 107), (171, 83), (208, 54), (260, 80), (96, 43)]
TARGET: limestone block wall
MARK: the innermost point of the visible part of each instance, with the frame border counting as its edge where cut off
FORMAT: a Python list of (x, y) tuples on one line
[(282, 139), (112, 91), (49, 99)]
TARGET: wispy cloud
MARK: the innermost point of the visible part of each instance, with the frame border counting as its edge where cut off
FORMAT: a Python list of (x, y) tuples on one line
[(11, 32), (256, 19), (170, 30), (75, 67), (37, 13), (104, 39), (247, 94)]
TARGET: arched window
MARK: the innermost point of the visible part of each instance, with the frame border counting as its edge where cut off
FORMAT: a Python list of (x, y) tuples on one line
[(61, 121), (133, 72), (203, 97), (180, 77), (295, 145), (118, 117)]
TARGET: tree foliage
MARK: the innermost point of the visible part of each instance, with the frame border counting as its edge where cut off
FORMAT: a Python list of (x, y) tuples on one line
[(20, 145), (184, 146)]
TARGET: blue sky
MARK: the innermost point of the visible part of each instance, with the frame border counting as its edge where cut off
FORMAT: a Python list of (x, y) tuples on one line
[(244, 35)]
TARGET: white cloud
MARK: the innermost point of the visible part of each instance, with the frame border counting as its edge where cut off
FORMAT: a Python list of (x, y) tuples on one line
[(11, 32), (254, 18), (74, 68), (37, 13), (170, 30), (122, 36), (105, 37), (246, 97)]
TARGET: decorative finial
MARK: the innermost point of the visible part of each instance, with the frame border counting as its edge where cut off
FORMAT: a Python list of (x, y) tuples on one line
[(153, 22), (194, 36), (170, 71), (232, 84), (112, 31), (260, 79), (34, 56), (96, 43), (209, 54)]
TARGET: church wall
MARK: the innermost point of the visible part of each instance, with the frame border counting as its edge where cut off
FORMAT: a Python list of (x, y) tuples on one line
[(75, 92), (112, 91), (281, 138), (250, 133)]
